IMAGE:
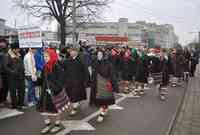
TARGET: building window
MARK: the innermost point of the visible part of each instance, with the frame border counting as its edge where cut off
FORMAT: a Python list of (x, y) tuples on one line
[(97, 27), (133, 27), (113, 27)]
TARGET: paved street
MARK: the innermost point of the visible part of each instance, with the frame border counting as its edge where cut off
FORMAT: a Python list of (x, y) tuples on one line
[(138, 116)]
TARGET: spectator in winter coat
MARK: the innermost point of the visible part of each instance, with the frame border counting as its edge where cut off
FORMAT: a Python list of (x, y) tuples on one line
[(86, 59), (31, 77), (3, 73), (39, 64), (39, 60), (15, 70)]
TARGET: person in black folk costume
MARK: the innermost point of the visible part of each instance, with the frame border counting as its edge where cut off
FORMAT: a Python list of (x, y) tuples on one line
[(52, 84), (76, 79), (141, 73), (165, 66), (114, 59), (179, 61), (159, 71), (134, 58), (126, 70), (194, 61), (187, 63), (117, 62), (102, 88), (170, 67), (172, 70)]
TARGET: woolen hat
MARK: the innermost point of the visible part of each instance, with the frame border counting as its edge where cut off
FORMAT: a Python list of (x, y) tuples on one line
[(14, 45)]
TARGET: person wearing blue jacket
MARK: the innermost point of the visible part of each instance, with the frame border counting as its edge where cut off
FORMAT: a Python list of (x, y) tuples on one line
[(39, 63), (39, 60)]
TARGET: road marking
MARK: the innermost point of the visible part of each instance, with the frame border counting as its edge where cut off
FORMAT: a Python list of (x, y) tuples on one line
[(77, 125), (85, 120), (130, 95), (115, 107), (7, 113)]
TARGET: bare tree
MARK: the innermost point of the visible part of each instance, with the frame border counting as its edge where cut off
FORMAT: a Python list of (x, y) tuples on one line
[(61, 10)]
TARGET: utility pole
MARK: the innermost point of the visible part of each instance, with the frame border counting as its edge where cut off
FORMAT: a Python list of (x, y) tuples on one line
[(74, 23)]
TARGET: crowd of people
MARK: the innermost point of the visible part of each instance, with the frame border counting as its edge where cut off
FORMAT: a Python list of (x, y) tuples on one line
[(62, 78)]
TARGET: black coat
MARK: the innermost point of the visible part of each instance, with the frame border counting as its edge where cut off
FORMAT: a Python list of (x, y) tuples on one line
[(3, 76), (116, 69), (195, 57), (15, 69), (187, 60), (170, 62), (141, 70), (3, 63), (1, 69), (102, 69), (76, 79), (127, 71), (159, 66), (55, 84), (178, 65)]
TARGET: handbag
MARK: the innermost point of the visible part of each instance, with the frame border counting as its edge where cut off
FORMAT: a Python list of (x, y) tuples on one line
[(60, 101)]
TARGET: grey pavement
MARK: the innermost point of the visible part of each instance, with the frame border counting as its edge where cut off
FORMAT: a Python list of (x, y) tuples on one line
[(188, 121)]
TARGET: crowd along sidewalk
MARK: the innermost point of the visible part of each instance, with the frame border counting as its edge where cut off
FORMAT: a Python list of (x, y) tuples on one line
[(188, 119)]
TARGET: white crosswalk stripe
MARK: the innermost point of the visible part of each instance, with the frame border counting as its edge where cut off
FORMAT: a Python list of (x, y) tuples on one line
[(7, 113)]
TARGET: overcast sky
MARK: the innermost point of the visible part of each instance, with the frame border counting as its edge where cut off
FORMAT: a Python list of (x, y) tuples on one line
[(183, 14)]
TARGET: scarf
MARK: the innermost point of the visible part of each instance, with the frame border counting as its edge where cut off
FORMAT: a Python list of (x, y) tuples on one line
[(52, 61), (134, 55)]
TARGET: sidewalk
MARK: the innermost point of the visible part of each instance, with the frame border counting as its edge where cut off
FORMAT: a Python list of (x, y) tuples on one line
[(188, 121)]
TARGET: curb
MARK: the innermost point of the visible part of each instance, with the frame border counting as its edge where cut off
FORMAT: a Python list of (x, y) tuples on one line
[(173, 121)]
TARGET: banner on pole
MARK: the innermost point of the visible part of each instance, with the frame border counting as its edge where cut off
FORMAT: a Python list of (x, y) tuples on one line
[(30, 37)]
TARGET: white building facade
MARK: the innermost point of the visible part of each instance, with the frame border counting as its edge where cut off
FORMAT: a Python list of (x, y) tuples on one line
[(139, 33)]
